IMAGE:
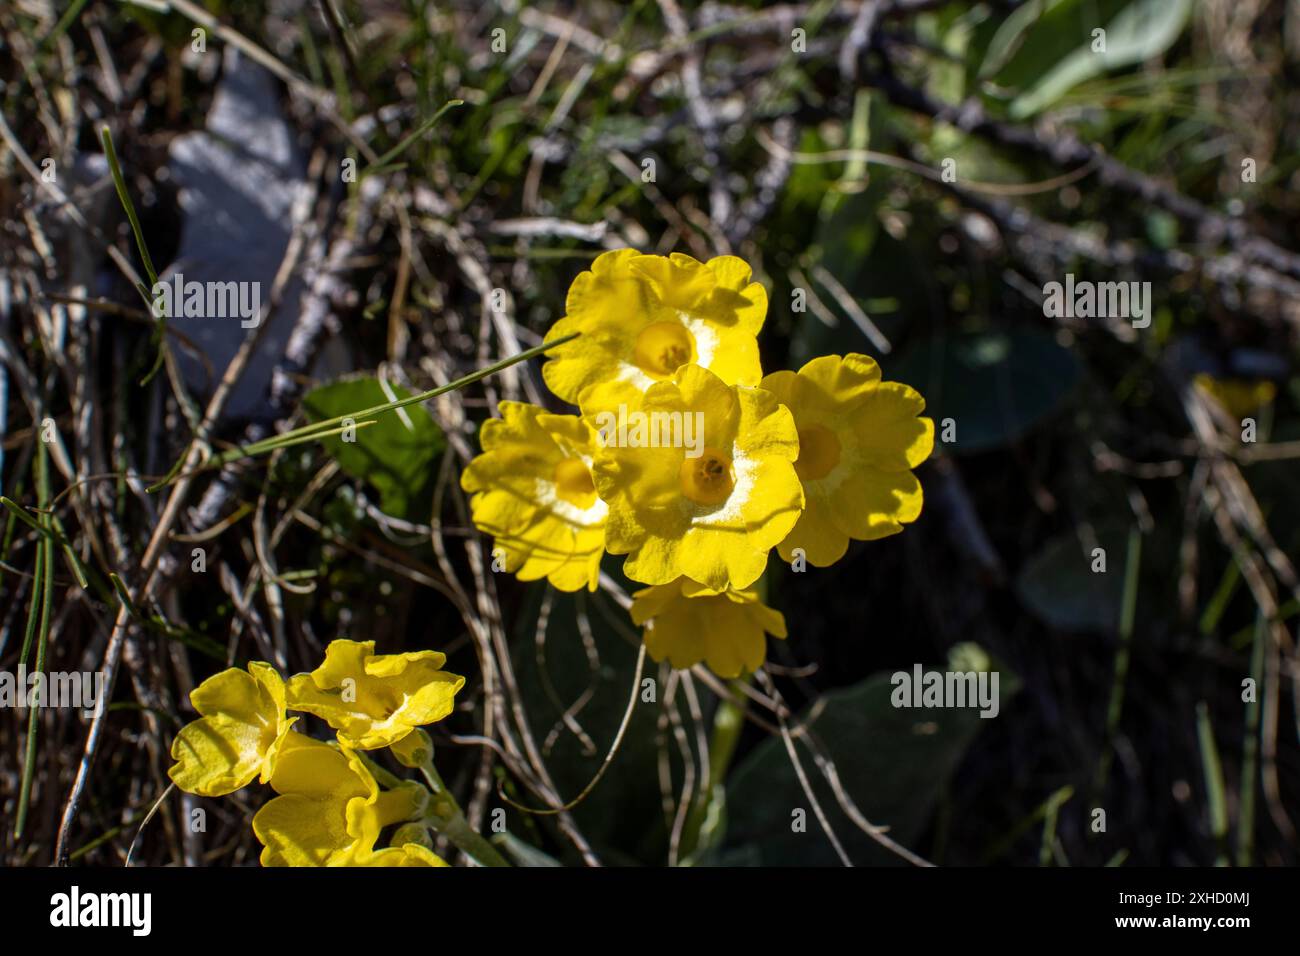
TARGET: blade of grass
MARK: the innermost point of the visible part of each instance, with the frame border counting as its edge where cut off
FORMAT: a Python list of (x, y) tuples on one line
[(53, 530), (1115, 707), (1250, 750), (33, 613), (406, 142), (252, 450), (69, 17), (1219, 601), (1051, 810), (1050, 805), (46, 590), (124, 596), (74, 562), (330, 426), (124, 197), (1214, 788)]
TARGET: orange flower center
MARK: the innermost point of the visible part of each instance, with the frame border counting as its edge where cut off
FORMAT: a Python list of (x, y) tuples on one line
[(707, 480), (663, 347), (573, 483), (819, 452)]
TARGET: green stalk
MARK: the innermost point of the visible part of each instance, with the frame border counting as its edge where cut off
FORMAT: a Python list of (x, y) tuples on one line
[(44, 586), (728, 722), (1051, 811), (1250, 749), (33, 612), (405, 144), (119, 183), (1050, 807), (1115, 707), (449, 820), (1214, 788), (70, 555), (124, 197), (381, 774), (52, 531), (7, 543), (69, 17)]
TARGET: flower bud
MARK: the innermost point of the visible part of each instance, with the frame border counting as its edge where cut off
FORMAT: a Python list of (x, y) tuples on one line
[(413, 750)]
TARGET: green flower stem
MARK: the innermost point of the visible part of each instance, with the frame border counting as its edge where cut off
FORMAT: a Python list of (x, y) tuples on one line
[(385, 778), (449, 820), (728, 722)]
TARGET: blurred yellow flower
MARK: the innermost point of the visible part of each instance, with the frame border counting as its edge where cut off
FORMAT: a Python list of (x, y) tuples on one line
[(330, 810), (1239, 397), (374, 700), (239, 735), (644, 316), (859, 438), (533, 492), (711, 511), (686, 623)]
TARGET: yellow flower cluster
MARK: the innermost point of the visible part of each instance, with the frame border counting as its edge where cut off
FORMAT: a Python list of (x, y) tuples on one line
[(690, 462), (330, 810)]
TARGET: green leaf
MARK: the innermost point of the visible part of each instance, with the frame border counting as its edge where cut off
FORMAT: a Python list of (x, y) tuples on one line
[(1060, 587), (894, 762), (994, 385), (395, 455), (1056, 29), (1142, 30), (1008, 36)]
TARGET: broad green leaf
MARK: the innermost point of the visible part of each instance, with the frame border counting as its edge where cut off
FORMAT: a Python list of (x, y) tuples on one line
[(1008, 36), (893, 761), (1142, 30), (994, 385), (395, 455), (1057, 29), (1060, 586)]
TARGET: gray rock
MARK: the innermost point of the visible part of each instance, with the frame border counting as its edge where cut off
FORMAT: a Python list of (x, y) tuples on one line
[(238, 180)]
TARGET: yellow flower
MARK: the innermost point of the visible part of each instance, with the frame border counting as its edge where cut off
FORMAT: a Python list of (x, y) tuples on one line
[(644, 316), (533, 492), (330, 810), (686, 623), (408, 854), (374, 700), (239, 735), (859, 438), (706, 488), (1239, 397)]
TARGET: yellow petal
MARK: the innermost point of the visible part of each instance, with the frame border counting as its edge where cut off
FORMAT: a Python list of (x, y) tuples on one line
[(684, 625), (640, 317), (881, 503), (239, 736), (534, 493), (821, 540), (375, 700), (233, 692), (408, 854), (216, 755)]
